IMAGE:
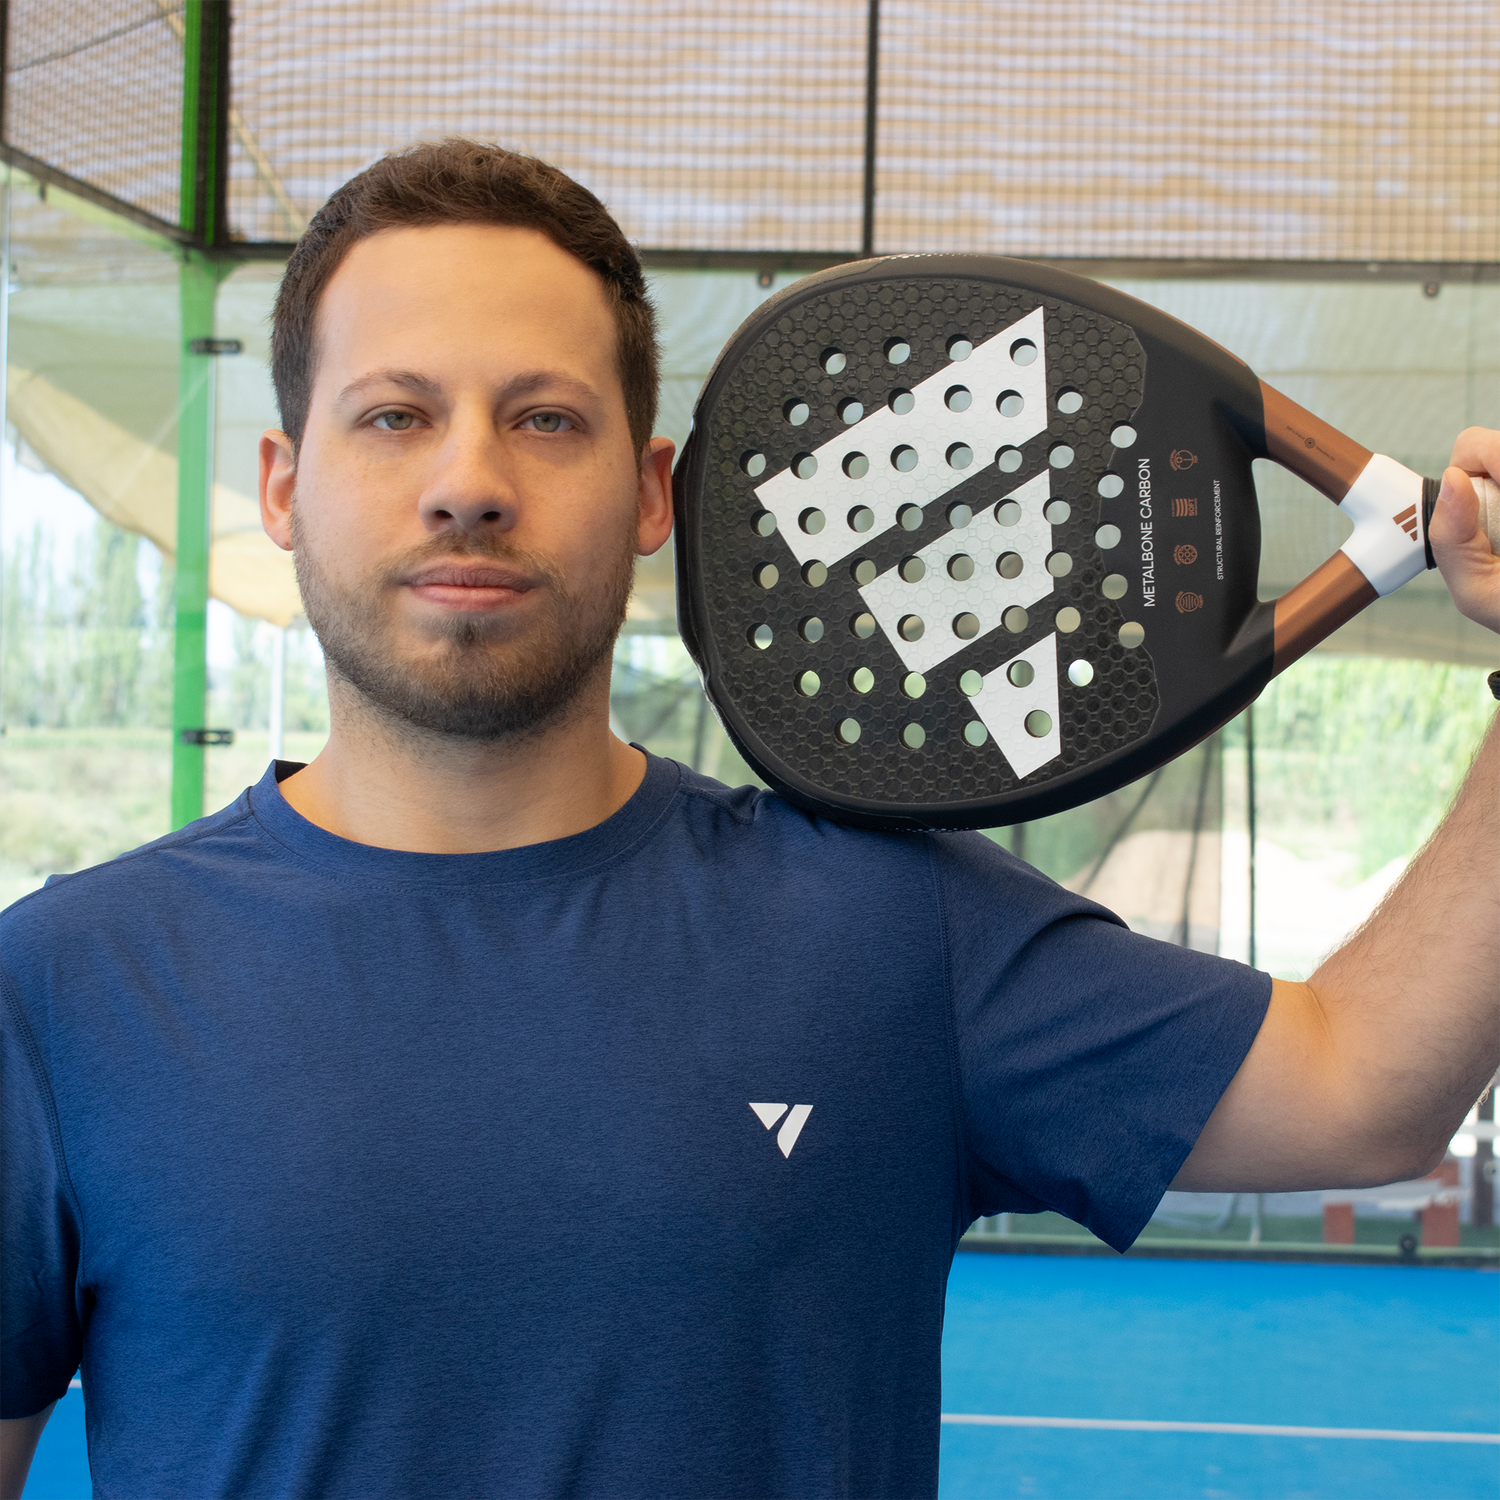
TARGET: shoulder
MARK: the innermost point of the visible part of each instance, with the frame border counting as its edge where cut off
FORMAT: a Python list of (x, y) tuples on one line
[(88, 901), (753, 822)]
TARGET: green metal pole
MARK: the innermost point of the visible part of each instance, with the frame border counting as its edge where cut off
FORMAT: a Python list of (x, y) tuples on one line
[(200, 212), (195, 475)]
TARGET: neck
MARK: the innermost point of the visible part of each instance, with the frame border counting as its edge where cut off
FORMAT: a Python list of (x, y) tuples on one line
[(396, 787)]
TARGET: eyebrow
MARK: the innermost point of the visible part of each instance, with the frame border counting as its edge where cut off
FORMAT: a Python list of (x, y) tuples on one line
[(516, 388)]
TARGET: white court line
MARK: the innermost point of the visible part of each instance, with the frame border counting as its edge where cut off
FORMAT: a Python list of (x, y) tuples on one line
[(1243, 1429)]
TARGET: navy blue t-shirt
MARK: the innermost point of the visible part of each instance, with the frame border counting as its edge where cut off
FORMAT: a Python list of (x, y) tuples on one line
[(630, 1164)]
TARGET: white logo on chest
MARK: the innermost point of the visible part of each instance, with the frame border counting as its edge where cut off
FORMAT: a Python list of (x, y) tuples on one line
[(786, 1137)]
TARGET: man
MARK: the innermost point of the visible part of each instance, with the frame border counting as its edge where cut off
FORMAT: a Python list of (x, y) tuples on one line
[(398, 1130)]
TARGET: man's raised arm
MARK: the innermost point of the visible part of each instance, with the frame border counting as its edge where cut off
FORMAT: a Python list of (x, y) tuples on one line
[(1361, 1075)]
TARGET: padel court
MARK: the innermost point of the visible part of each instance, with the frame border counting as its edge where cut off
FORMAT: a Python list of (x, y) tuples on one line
[(1202, 1365)]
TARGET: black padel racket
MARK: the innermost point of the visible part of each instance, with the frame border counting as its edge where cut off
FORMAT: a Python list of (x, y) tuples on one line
[(963, 541)]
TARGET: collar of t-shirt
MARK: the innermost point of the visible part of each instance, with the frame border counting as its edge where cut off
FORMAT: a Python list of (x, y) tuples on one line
[(570, 856)]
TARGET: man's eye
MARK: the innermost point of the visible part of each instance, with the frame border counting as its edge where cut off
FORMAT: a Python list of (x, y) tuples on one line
[(550, 421), (394, 421)]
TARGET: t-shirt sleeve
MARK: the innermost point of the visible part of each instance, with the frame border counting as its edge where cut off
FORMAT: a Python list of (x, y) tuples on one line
[(1090, 1057), (39, 1268)]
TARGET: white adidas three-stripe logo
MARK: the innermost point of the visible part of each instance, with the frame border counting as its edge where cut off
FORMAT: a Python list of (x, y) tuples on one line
[(786, 1137)]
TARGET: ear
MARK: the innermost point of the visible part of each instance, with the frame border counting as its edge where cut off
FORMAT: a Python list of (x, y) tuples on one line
[(278, 479), (655, 520)]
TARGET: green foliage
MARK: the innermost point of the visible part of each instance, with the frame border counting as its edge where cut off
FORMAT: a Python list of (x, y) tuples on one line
[(83, 646), (1364, 753)]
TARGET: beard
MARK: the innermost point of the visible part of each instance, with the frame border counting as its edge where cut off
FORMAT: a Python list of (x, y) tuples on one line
[(467, 677)]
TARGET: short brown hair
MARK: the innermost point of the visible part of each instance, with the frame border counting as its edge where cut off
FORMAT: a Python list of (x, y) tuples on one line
[(464, 182)]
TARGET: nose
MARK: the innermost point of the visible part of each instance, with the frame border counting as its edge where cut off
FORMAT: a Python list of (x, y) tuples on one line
[(471, 488)]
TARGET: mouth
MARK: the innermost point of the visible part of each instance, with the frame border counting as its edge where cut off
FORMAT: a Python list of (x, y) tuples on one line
[(469, 586)]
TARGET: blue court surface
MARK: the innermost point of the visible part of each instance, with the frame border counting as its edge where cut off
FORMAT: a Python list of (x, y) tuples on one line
[(1410, 1353)]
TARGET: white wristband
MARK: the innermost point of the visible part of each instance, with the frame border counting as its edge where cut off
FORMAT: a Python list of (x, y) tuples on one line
[(1389, 541)]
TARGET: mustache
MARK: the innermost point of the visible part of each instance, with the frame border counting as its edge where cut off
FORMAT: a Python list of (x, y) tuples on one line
[(461, 547)]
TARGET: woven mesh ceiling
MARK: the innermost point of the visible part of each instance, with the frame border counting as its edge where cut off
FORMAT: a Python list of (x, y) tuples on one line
[(95, 90), (1344, 130)]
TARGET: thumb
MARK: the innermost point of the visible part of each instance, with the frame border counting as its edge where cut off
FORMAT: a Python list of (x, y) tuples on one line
[(1455, 518)]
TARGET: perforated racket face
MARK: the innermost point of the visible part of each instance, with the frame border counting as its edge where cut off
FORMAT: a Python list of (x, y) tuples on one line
[(910, 543)]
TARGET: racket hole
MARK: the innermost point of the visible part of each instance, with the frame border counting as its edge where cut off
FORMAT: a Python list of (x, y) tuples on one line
[(897, 351), (1010, 403), (1123, 435), (861, 518), (1038, 724), (909, 517), (1059, 564), (1008, 460), (862, 571), (975, 733), (959, 514), (966, 626), (760, 636), (1111, 485), (1114, 586), (811, 630), (812, 520), (814, 574), (1060, 455), (1010, 564), (753, 462), (960, 456), (848, 731), (903, 459), (796, 412), (1106, 537), (1069, 401), (1057, 512), (910, 628), (763, 523), (1008, 513), (863, 626), (970, 683), (862, 679), (912, 569), (1132, 634), (856, 465), (901, 402), (1080, 674), (961, 567), (959, 398), (959, 347), (913, 736), (808, 684), (804, 466), (1015, 619), (833, 361), (1023, 352), (1020, 674), (766, 575), (914, 684), (1068, 620), (851, 410)]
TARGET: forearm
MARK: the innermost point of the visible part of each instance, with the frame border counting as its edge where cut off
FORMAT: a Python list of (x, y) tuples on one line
[(18, 1439), (1411, 1002)]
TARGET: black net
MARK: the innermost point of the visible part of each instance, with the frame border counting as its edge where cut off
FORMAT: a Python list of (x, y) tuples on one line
[(95, 91), (1336, 130), (700, 126)]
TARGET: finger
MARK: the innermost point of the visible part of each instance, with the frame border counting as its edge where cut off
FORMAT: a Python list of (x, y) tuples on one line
[(1477, 451)]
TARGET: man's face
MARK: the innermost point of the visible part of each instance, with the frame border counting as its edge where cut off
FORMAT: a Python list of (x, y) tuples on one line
[(467, 504)]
